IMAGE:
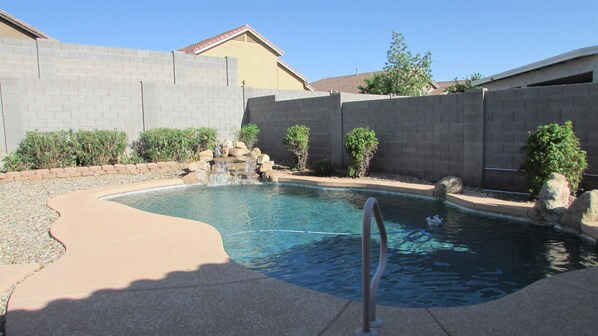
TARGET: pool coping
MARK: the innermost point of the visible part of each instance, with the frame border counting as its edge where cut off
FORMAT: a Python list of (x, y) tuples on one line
[(126, 271)]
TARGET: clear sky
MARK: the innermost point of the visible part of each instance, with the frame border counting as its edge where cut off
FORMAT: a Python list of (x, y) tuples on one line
[(331, 38)]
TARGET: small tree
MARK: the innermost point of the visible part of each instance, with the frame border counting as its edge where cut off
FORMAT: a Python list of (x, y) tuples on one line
[(248, 134), (553, 149), (460, 86), (361, 143), (405, 74), (297, 142)]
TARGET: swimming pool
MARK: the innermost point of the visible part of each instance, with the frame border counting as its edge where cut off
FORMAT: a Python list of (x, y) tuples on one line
[(311, 237)]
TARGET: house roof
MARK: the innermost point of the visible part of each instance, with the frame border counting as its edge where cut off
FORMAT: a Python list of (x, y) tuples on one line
[(347, 83), (22, 25), (350, 83), (201, 46), (583, 52)]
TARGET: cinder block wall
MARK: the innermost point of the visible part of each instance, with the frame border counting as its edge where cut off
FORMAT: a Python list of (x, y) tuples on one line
[(421, 137), (45, 105), (18, 58), (51, 59), (181, 106), (510, 114), (274, 117)]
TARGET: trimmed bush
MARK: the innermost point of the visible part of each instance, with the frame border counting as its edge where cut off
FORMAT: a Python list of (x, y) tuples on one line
[(248, 134), (361, 143), (553, 149), (59, 149), (323, 168), (170, 144), (297, 142), (99, 147), (43, 150)]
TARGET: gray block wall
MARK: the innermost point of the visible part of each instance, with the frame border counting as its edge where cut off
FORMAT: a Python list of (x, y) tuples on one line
[(51, 59), (47, 105), (420, 136), (511, 114), (18, 58), (274, 117), (182, 106)]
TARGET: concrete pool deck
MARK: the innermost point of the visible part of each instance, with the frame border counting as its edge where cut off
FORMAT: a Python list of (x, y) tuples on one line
[(129, 272)]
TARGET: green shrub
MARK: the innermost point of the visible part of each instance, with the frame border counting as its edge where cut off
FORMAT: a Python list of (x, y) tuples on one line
[(170, 144), (297, 142), (323, 168), (99, 147), (248, 134), (361, 143), (553, 149), (43, 150)]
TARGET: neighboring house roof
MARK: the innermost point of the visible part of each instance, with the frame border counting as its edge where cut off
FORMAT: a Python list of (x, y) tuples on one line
[(441, 86), (30, 30), (350, 83), (347, 83), (578, 53), (201, 46)]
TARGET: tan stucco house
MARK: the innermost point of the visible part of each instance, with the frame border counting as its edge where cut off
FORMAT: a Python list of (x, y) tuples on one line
[(12, 27), (258, 62)]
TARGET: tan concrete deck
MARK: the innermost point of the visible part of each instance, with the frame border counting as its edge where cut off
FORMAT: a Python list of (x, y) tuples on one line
[(128, 272)]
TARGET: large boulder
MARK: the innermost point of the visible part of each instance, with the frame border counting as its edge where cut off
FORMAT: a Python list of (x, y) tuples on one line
[(583, 210), (196, 177), (263, 158), (224, 152), (206, 155), (266, 166), (255, 153), (236, 152), (197, 166), (271, 176), (448, 185), (240, 144), (552, 202)]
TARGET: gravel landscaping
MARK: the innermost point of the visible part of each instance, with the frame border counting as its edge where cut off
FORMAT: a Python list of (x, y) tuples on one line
[(25, 219)]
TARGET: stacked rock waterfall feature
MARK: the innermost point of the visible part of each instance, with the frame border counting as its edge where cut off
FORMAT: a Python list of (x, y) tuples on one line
[(233, 164)]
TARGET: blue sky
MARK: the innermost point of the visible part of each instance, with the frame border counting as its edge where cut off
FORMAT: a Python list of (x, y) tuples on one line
[(332, 38)]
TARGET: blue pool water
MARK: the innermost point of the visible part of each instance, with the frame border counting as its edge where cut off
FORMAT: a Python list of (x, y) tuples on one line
[(311, 237)]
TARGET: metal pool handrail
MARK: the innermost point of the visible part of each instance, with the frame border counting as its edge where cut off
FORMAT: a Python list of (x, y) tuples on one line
[(370, 289)]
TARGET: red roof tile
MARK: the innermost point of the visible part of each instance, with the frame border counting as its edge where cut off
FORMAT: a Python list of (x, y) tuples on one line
[(211, 42)]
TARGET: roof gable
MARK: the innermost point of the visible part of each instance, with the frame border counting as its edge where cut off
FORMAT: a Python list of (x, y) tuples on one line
[(201, 46), (30, 30)]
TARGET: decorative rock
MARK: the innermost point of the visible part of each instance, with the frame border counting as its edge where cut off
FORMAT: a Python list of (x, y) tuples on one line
[(240, 144), (198, 166), (271, 176), (196, 177), (238, 152), (254, 153), (552, 202), (224, 152), (206, 155), (266, 166), (259, 151), (227, 144), (448, 185), (583, 210), (263, 158)]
